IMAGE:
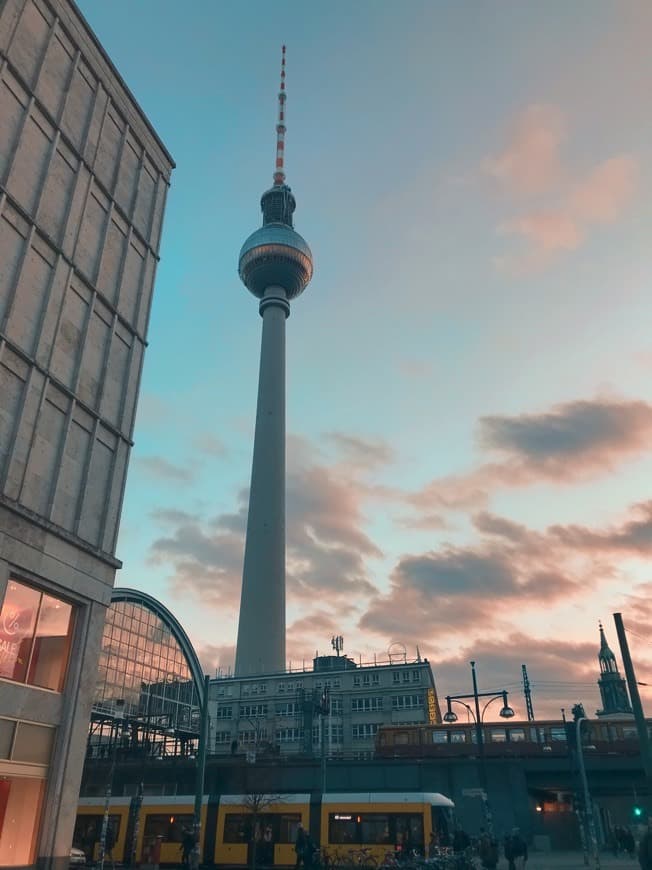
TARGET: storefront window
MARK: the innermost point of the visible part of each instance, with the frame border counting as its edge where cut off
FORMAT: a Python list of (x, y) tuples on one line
[(35, 636), (20, 809)]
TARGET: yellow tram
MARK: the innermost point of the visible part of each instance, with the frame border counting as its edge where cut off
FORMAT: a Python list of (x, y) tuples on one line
[(350, 827)]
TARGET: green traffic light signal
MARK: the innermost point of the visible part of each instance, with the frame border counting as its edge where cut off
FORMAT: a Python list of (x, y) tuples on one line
[(638, 812)]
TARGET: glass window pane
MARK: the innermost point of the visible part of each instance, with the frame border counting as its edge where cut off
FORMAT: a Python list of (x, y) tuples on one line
[(33, 743), (6, 737), (20, 807), (51, 644), (17, 620)]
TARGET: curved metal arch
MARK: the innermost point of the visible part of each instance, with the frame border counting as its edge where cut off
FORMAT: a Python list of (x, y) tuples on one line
[(135, 596)]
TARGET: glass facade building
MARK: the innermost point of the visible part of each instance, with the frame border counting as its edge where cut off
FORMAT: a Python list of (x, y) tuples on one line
[(149, 669)]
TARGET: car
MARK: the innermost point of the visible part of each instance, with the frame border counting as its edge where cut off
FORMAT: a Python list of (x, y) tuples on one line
[(77, 857)]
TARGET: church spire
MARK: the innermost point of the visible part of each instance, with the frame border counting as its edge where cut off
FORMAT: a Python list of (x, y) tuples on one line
[(613, 689)]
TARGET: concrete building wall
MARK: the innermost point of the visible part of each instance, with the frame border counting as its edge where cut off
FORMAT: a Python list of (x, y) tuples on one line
[(83, 183)]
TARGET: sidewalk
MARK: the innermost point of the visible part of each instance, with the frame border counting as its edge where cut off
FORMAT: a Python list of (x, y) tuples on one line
[(574, 861)]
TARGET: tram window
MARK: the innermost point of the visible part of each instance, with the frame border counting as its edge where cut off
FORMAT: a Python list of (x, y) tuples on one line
[(169, 826), (288, 826), (498, 735), (375, 828), (342, 828), (558, 734), (458, 736), (517, 735), (236, 828), (409, 830), (439, 737), (629, 733)]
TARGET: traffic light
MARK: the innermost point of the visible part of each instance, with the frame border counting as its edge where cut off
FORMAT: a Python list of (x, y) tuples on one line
[(637, 812)]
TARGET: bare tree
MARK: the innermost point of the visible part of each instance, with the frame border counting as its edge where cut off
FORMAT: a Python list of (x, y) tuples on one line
[(256, 803)]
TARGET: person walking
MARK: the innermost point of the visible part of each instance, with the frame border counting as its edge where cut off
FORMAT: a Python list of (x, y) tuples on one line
[(300, 847), (488, 851), (515, 850), (645, 848)]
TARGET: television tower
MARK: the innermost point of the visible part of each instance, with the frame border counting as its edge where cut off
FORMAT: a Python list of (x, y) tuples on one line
[(275, 265)]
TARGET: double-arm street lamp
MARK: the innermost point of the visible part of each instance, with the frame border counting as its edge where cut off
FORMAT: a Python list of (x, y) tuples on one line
[(506, 713)]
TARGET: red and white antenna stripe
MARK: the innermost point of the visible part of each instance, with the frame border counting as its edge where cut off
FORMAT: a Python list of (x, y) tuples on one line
[(279, 174)]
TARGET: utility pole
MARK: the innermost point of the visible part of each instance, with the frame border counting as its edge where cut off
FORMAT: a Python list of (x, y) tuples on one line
[(637, 707), (588, 806), (201, 768), (118, 715), (528, 695)]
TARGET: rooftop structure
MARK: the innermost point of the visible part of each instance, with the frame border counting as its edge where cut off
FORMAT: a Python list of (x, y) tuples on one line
[(613, 688), (275, 265)]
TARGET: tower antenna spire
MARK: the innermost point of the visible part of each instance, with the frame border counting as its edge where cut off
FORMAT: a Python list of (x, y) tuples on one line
[(279, 174)]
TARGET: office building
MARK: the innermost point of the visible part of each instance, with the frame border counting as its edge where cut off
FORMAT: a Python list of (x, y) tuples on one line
[(284, 713), (83, 183)]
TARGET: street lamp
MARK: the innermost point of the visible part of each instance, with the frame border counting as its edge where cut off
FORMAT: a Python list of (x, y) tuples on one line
[(118, 716), (506, 713), (201, 770), (578, 711)]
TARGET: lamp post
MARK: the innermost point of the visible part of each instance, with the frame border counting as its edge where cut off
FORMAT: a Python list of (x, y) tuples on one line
[(588, 808), (118, 716), (201, 769), (506, 713)]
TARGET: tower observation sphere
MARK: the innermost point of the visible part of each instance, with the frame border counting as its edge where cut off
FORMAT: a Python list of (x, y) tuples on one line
[(275, 264)]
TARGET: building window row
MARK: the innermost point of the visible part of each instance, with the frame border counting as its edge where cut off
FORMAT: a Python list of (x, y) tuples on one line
[(406, 702), (224, 713), (328, 684), (334, 734), (406, 676), (288, 708), (249, 738), (289, 688), (366, 680), (366, 705), (254, 688), (364, 731), (222, 737), (253, 711), (289, 735)]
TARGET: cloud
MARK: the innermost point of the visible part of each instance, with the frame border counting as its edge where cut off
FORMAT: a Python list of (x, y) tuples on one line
[(605, 192), (547, 231), (567, 210), (572, 438), (529, 163), (561, 673), (209, 444), (633, 538), (327, 549), (360, 452), (511, 573), (163, 469), (572, 441)]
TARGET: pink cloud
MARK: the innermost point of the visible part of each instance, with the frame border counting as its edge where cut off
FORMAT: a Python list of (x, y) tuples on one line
[(547, 231), (568, 442), (529, 163), (606, 191)]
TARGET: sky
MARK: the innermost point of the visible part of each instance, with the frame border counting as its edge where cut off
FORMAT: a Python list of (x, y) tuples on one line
[(469, 394)]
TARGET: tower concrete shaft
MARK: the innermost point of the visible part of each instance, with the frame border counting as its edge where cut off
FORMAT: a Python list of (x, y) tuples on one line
[(261, 629)]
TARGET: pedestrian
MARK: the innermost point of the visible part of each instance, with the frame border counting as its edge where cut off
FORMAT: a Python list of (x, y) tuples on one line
[(300, 847), (187, 845), (461, 841), (488, 851), (645, 848), (515, 850)]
